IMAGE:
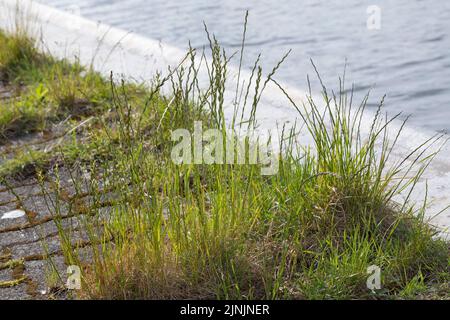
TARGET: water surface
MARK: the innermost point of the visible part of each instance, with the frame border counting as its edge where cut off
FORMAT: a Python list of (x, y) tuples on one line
[(407, 58)]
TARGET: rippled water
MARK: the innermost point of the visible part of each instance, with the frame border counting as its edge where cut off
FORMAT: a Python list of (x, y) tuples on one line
[(408, 58)]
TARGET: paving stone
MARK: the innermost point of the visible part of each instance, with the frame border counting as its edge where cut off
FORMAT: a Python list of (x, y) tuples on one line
[(5, 275), (18, 292), (7, 223)]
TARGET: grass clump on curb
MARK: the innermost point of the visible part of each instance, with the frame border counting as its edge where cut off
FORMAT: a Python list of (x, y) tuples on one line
[(53, 99), (19, 57), (224, 231), (49, 90)]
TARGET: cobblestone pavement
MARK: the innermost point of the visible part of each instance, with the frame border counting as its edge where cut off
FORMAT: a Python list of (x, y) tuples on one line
[(29, 241)]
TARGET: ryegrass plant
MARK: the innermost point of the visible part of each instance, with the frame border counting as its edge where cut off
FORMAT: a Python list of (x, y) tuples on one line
[(224, 231), (157, 229)]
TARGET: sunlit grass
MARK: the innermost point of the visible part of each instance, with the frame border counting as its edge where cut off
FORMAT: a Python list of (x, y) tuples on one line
[(225, 231)]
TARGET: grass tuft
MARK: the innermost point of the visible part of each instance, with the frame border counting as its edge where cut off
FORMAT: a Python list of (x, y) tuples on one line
[(159, 230)]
